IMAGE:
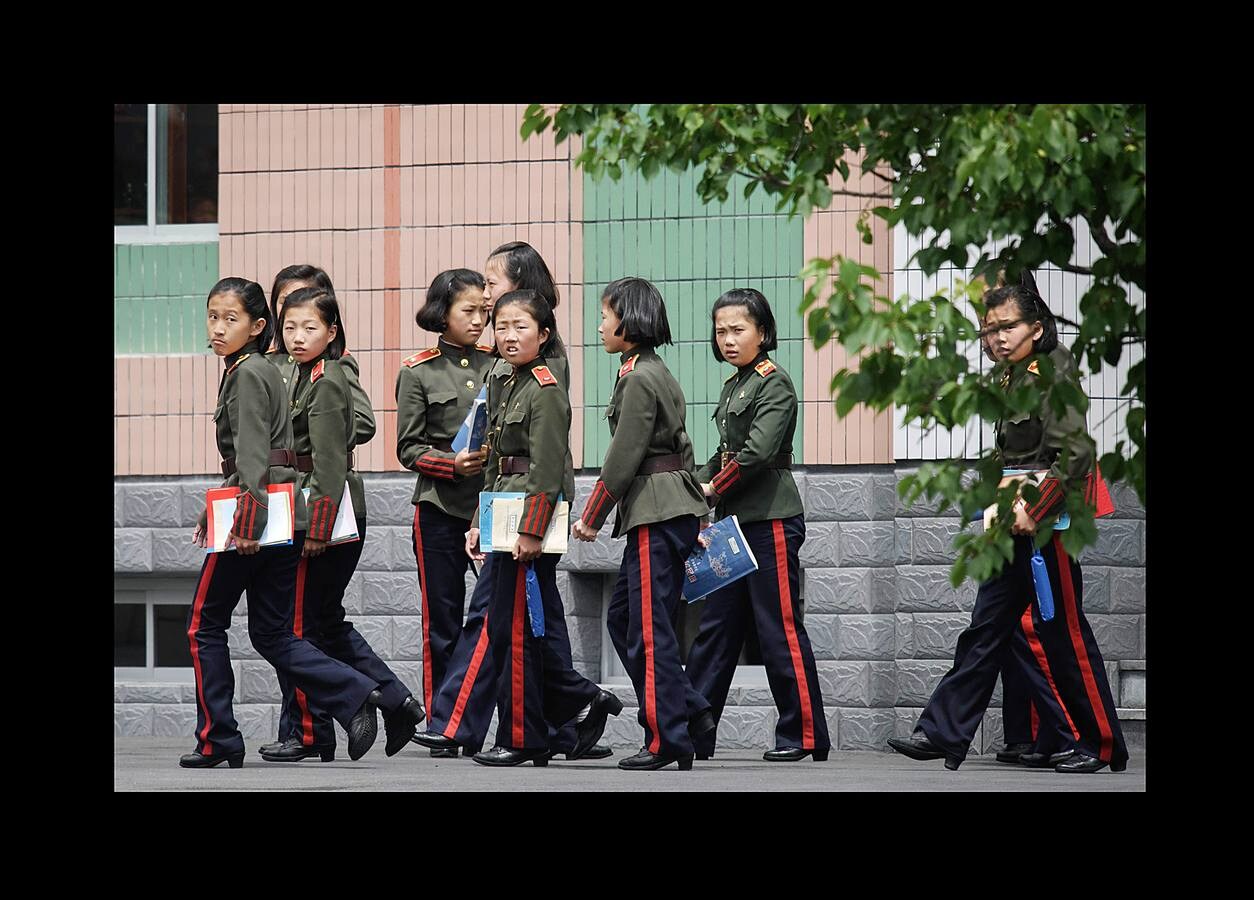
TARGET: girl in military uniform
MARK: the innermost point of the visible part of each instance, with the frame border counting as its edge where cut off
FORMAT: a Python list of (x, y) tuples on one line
[(530, 453), (254, 436), (295, 706), (312, 332), (647, 476), (435, 389), (749, 477), (1060, 659)]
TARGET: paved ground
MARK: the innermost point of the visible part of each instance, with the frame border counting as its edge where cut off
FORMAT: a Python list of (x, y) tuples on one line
[(151, 764)]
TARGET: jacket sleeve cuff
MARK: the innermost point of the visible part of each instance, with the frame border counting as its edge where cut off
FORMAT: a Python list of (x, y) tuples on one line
[(322, 513), (727, 478), (537, 511), (250, 517), (599, 506), (1051, 499), (433, 465)]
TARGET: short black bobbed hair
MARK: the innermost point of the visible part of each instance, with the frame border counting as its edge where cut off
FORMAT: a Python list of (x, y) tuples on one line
[(538, 308), (442, 293), (640, 309), (253, 299), (1032, 309), (756, 308), (328, 310)]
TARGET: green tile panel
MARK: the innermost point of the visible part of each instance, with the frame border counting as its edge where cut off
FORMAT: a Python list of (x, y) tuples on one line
[(159, 295)]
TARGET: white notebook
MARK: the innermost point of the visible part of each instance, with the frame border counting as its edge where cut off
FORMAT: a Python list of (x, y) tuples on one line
[(345, 528), (280, 513)]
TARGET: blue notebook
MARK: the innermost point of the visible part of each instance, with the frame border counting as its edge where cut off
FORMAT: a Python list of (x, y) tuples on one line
[(727, 559), (485, 515), (475, 427)]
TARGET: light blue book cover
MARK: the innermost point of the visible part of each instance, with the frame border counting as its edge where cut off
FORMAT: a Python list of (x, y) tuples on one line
[(726, 559), (475, 426), (485, 515)]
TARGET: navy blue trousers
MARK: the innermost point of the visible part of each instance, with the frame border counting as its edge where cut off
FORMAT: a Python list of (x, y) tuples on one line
[(640, 622), (1021, 723), (270, 579), (1060, 661), (536, 684), (770, 596), (465, 698), (319, 617), (440, 549)]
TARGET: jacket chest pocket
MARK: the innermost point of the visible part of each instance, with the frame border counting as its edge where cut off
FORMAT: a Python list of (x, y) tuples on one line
[(1022, 434), (217, 413), (514, 433), (611, 413), (443, 409)]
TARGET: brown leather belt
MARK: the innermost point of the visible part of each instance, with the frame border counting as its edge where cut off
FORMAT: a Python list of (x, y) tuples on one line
[(671, 462), (277, 458), (515, 465), (781, 460), (305, 463)]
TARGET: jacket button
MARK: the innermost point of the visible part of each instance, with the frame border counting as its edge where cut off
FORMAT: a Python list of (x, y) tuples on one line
[(470, 384), (465, 363)]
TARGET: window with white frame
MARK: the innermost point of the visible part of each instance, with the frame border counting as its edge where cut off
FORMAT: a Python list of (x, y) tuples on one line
[(150, 629), (165, 172)]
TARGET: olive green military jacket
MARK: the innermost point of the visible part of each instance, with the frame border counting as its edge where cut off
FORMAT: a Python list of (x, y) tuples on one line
[(323, 427), (756, 418), (250, 420), (363, 415), (434, 390), (530, 415), (1042, 439), (646, 415)]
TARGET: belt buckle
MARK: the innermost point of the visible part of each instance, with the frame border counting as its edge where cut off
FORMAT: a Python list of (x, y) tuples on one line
[(725, 457)]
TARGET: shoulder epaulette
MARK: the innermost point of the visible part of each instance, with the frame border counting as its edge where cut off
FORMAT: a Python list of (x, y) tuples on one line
[(543, 375), (318, 371), (482, 349), (422, 356), (1034, 367), (628, 366), (764, 368), (237, 362)]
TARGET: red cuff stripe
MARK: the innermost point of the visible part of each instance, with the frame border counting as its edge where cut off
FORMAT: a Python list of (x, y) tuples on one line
[(1049, 491), (727, 477), (596, 503)]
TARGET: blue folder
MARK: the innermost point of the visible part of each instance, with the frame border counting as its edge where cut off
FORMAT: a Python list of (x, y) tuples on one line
[(727, 558)]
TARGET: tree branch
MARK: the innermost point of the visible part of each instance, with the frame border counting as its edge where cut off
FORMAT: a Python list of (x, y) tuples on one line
[(1103, 240)]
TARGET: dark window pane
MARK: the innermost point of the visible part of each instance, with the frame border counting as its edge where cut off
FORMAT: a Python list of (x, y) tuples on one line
[(187, 163), (170, 635), (128, 634), (130, 164)]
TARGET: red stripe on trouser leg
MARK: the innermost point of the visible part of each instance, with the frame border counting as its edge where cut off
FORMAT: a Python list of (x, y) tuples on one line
[(790, 631), (298, 622), (1081, 653), (1036, 719), (468, 683), (516, 658), (646, 628), (1029, 631), (202, 590), (426, 629)]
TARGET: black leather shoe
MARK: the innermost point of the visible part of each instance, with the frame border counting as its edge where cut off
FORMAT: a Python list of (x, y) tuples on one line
[(1118, 766), (508, 756), (645, 761), (364, 727), (444, 754), (1079, 764), (589, 731), (702, 723), (272, 746), (704, 756), (598, 751), (292, 750), (917, 746), (195, 760), (793, 754), (435, 740), (1012, 752), (401, 723)]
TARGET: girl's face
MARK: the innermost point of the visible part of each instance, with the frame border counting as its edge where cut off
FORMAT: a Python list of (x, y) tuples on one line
[(1008, 336), (465, 317), (289, 287), (230, 327), (519, 337), (739, 337), (613, 343), (498, 283), (305, 334)]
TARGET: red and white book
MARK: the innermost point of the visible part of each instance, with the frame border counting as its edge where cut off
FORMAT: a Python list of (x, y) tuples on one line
[(280, 516)]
